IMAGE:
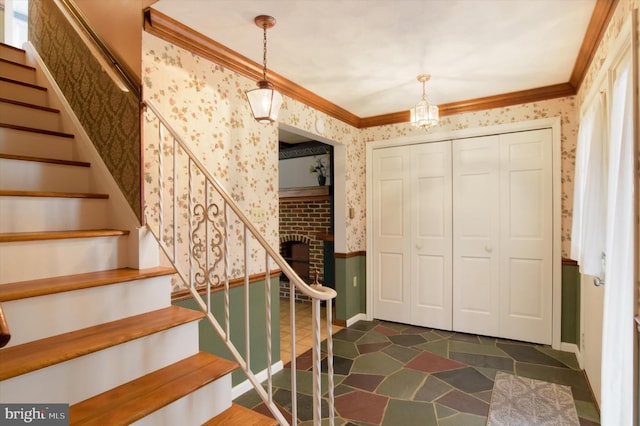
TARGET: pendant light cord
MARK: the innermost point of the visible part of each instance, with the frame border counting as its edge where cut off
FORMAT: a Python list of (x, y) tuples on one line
[(264, 52)]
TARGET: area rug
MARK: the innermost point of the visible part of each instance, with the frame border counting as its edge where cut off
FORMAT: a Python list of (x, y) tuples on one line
[(518, 401)]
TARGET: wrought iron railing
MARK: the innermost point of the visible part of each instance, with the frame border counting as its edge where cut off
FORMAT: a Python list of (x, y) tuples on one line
[(210, 241)]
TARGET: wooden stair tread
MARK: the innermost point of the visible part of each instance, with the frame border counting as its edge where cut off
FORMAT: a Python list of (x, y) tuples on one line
[(132, 401), (8, 46), (44, 286), (18, 64), (241, 416), (36, 130), (60, 235), (44, 160), (28, 105), (50, 194), (22, 83), (28, 357)]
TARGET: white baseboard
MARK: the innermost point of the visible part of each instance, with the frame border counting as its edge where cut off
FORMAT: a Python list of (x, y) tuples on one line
[(354, 319), (572, 347), (245, 386)]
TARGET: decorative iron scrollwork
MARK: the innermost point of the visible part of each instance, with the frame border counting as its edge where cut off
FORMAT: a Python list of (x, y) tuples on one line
[(205, 219)]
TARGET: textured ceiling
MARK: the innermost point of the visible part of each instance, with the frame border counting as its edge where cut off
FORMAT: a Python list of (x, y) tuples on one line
[(364, 55)]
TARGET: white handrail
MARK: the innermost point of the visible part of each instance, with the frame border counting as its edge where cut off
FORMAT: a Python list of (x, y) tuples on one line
[(206, 254)]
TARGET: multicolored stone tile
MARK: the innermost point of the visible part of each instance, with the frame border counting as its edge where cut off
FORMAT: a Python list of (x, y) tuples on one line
[(362, 406), (395, 374)]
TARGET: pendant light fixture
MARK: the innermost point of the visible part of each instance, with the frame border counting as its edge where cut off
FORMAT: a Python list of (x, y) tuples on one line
[(423, 114), (265, 101)]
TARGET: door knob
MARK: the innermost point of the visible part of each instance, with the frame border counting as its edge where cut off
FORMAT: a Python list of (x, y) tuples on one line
[(488, 249), (419, 246)]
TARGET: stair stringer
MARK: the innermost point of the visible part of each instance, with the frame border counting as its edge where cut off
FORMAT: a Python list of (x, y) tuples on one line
[(143, 250)]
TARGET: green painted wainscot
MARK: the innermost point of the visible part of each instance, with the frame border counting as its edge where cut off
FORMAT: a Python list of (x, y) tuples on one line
[(570, 328), (211, 342), (351, 300)]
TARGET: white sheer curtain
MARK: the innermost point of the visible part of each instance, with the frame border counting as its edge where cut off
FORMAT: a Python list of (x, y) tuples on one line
[(590, 191), (618, 324)]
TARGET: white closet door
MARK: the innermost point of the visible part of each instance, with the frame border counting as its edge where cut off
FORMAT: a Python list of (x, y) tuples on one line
[(391, 234), (412, 234), (431, 251), (476, 233), (526, 231)]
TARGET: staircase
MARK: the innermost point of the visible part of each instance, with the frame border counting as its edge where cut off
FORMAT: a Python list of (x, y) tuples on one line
[(86, 329)]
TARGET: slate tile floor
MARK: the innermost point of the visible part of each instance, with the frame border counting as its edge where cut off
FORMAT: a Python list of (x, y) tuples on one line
[(395, 374)]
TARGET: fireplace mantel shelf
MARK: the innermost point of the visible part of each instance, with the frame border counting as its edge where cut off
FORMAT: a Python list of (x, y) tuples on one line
[(307, 193)]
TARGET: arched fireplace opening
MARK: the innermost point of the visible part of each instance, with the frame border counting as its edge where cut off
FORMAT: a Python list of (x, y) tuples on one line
[(296, 253)]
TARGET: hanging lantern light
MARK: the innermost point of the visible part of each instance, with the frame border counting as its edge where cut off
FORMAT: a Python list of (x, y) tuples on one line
[(424, 115), (265, 101)]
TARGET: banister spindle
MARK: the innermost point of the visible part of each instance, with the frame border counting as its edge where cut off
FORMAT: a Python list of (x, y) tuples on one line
[(294, 368), (267, 286), (316, 359), (192, 280), (247, 335), (160, 183), (330, 383), (174, 237), (226, 275)]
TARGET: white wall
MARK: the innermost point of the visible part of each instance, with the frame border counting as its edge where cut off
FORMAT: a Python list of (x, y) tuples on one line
[(591, 326), (119, 23), (294, 172), (14, 30)]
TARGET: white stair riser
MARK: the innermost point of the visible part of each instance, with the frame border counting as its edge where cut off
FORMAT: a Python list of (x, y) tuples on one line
[(81, 378), (18, 92), (18, 142), (16, 72), (12, 54), (30, 260), (39, 214), (39, 176), (19, 115), (195, 408), (43, 316)]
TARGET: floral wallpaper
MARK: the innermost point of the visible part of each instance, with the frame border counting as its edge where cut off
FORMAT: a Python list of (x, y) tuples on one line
[(565, 108), (206, 104)]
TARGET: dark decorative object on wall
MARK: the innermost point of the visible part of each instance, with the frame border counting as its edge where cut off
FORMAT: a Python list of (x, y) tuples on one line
[(320, 169)]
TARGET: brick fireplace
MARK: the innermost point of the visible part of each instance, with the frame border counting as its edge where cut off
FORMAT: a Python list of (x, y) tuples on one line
[(305, 222)]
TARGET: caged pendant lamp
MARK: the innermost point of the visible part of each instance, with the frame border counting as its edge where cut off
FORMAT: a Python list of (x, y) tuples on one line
[(424, 115), (265, 101)]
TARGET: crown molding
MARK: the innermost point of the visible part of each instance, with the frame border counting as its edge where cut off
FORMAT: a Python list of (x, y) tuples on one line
[(174, 32), (508, 99), (602, 13), (479, 104)]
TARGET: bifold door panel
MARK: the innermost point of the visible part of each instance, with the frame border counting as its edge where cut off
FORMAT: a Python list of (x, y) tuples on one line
[(462, 235)]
